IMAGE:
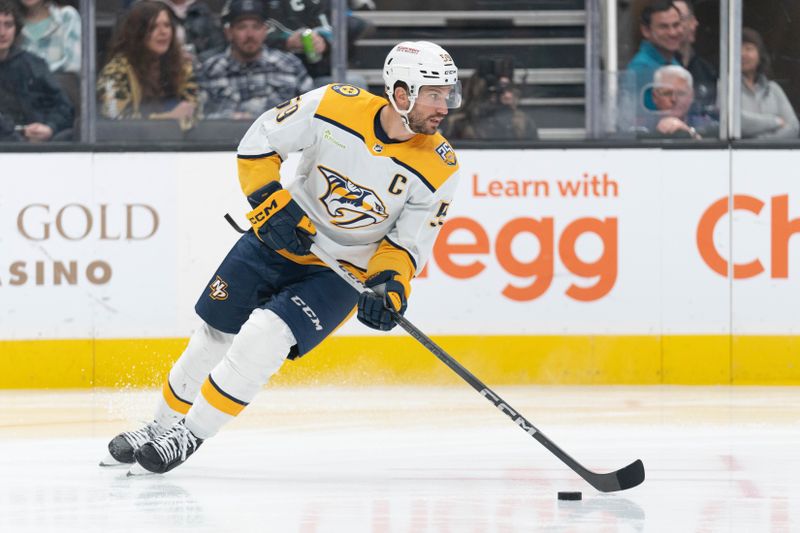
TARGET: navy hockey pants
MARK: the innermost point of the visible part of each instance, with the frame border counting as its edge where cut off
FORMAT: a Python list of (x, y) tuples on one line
[(312, 300)]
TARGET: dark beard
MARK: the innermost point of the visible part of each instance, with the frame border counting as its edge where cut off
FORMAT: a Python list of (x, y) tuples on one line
[(419, 126)]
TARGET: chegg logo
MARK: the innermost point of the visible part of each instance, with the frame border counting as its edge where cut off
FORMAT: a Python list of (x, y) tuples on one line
[(781, 230), (539, 270)]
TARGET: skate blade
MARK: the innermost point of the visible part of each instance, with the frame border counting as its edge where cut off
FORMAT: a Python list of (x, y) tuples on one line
[(109, 462), (137, 470)]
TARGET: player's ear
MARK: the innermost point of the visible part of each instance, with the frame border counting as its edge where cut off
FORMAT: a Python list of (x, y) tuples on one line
[(401, 97)]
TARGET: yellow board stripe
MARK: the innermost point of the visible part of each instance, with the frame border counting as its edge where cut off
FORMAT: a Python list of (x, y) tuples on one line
[(393, 359), (219, 399), (172, 399)]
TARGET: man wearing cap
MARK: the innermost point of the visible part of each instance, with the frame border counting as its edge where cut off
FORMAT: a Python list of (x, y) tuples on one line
[(248, 78)]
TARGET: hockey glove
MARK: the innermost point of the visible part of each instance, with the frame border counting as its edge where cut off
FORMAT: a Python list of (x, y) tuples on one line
[(388, 294), (278, 221)]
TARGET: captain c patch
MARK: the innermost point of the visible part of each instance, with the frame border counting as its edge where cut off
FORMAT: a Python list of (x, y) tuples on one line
[(447, 154)]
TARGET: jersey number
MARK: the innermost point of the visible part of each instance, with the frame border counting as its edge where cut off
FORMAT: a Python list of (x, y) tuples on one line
[(440, 215), (287, 108)]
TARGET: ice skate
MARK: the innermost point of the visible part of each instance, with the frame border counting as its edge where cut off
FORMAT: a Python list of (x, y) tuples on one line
[(166, 451), (122, 447)]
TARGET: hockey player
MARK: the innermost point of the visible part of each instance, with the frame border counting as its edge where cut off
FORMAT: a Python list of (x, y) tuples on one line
[(372, 188)]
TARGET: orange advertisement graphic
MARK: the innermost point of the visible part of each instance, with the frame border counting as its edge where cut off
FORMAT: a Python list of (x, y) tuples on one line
[(781, 228), (601, 273)]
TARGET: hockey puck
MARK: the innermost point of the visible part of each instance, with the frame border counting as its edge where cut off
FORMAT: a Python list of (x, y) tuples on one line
[(570, 496)]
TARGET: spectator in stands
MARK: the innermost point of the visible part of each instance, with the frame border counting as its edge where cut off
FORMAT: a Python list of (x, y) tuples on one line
[(291, 18), (662, 29), (490, 108), (52, 32), (247, 79), (675, 116), (147, 75), (198, 27), (703, 73), (766, 111), (32, 105)]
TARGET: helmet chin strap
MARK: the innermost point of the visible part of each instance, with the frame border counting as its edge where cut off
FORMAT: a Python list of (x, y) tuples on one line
[(406, 125), (404, 114)]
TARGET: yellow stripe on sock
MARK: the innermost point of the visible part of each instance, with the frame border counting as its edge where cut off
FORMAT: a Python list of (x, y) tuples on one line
[(175, 403), (219, 400)]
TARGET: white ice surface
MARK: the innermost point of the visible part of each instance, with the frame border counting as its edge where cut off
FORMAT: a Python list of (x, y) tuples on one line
[(399, 459)]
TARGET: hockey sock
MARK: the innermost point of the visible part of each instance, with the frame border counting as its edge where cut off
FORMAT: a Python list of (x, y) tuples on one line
[(257, 352), (206, 349)]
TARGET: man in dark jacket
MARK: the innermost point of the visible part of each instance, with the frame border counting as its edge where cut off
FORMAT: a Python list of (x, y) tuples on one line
[(32, 105), (703, 73)]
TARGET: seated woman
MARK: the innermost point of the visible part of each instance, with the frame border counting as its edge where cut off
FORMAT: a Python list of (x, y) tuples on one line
[(766, 111), (52, 32), (147, 75)]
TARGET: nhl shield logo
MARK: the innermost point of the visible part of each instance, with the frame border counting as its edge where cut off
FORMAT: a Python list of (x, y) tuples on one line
[(447, 154)]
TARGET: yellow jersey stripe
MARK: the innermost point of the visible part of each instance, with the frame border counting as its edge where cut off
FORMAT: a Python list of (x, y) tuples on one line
[(219, 399), (358, 118), (175, 403), (389, 256), (419, 175), (312, 259), (257, 171)]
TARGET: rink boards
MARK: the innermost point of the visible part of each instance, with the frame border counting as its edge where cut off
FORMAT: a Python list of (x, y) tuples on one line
[(554, 266)]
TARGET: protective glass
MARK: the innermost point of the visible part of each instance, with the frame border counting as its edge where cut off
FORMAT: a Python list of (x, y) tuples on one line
[(436, 95)]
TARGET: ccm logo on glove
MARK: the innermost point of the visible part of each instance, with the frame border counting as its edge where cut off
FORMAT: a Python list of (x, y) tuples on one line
[(278, 221)]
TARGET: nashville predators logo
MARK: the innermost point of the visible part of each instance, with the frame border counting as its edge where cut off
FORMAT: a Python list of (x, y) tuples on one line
[(346, 90), (447, 154), (350, 205), (218, 289)]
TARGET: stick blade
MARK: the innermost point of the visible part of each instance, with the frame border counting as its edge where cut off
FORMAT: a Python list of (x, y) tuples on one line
[(632, 475), (623, 479)]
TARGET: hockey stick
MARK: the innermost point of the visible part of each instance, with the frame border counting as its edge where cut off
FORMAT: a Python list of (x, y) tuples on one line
[(622, 479)]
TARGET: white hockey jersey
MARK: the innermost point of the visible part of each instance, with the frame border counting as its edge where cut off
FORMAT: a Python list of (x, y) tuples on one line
[(376, 203)]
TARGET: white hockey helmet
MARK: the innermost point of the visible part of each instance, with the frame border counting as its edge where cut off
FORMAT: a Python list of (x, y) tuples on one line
[(417, 64)]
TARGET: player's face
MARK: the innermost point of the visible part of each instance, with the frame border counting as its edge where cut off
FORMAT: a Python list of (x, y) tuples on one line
[(7, 32), (665, 30), (160, 36), (247, 36), (429, 109)]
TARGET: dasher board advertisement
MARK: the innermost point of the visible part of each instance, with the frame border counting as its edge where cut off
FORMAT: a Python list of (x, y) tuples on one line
[(554, 242)]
